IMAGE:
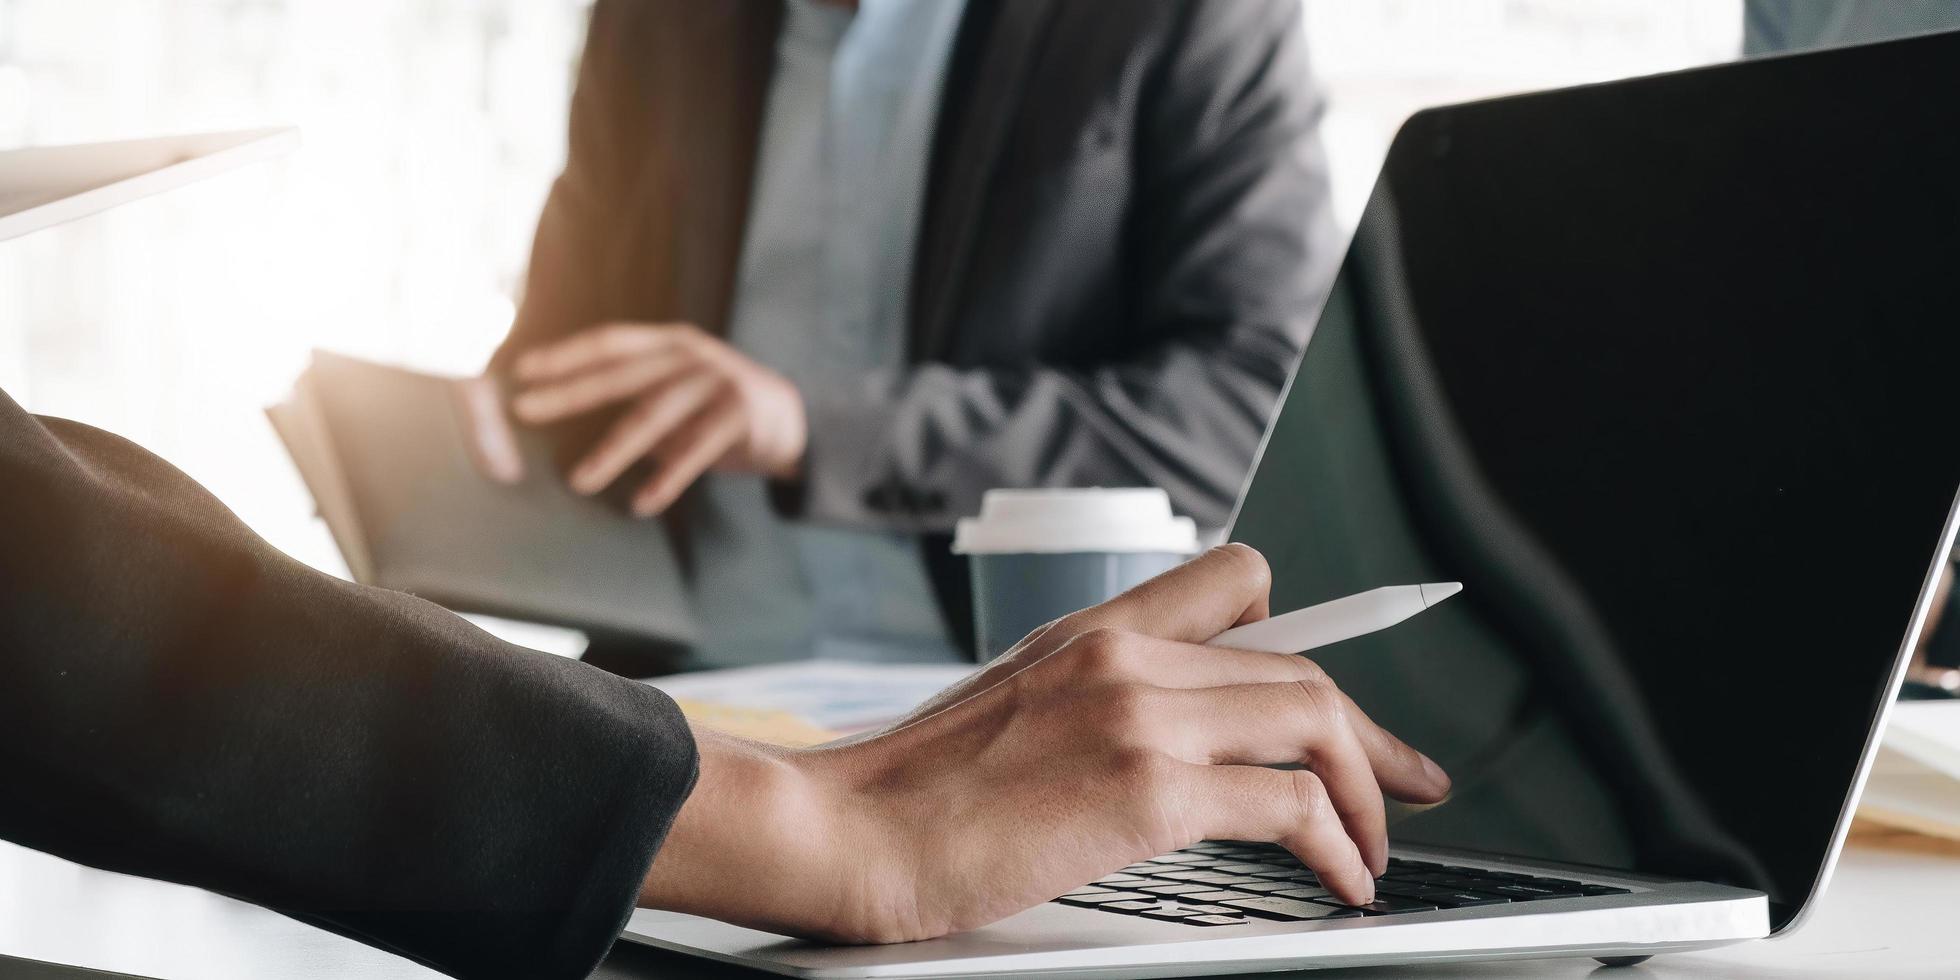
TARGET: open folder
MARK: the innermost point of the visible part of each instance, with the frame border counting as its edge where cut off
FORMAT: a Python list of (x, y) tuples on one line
[(1915, 782), (384, 452)]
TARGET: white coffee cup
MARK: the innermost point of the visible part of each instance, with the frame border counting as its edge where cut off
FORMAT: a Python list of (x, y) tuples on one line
[(1037, 555)]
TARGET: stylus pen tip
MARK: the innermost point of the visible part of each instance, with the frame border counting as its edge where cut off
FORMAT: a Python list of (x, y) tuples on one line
[(1435, 592)]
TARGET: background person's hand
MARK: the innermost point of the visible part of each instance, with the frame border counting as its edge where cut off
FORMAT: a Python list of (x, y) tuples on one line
[(695, 404), (1104, 739)]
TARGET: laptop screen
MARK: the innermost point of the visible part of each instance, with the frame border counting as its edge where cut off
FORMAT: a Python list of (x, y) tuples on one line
[(1664, 371)]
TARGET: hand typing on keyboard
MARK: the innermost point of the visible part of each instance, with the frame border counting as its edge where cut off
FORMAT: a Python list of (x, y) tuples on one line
[(1105, 739)]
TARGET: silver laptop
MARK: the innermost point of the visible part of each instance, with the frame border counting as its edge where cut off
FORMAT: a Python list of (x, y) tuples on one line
[(1662, 370)]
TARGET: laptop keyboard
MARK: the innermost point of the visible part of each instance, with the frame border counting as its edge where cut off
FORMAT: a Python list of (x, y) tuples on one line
[(1224, 883)]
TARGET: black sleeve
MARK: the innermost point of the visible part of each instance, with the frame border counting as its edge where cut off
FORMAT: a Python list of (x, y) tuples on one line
[(181, 701), (1237, 245)]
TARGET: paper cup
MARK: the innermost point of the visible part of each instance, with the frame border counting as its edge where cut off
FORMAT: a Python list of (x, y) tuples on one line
[(1038, 555)]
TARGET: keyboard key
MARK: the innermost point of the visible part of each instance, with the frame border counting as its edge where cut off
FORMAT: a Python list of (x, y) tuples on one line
[(1464, 900), (1268, 887), (1428, 878), (1289, 874), (1305, 894), (1184, 875), (1217, 895), (1290, 910), (1453, 881), (1120, 878), (1203, 861), (1276, 868), (1385, 905), (1251, 869), (1214, 920), (1525, 893), (1220, 878), (1093, 901), (1170, 913), (1245, 854), (1394, 863), (1172, 891), (1557, 884), (1131, 906), (1209, 847), (1174, 912), (1172, 858), (1089, 890), (1464, 885), (1402, 885)]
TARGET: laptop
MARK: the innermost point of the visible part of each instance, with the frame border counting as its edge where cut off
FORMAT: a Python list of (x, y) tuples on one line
[(1662, 371)]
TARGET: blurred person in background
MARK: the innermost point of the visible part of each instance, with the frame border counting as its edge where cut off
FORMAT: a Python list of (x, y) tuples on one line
[(818, 274), (1779, 26)]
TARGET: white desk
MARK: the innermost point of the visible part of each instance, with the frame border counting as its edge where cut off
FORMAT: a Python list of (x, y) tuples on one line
[(1893, 911)]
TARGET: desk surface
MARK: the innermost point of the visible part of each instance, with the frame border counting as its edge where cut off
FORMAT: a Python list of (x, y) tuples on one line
[(1892, 911)]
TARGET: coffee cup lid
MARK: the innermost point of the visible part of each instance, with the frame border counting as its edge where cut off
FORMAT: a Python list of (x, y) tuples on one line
[(1059, 521)]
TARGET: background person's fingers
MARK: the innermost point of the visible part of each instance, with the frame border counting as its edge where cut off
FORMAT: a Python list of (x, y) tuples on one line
[(1193, 602), (491, 444), (1287, 807), (687, 452), (597, 345), (639, 430), (604, 384), (1266, 724)]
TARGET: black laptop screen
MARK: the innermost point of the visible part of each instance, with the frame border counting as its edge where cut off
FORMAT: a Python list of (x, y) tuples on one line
[(1667, 372)]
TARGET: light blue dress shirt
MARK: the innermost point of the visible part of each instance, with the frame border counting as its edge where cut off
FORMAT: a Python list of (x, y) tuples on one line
[(821, 296), (1776, 26)]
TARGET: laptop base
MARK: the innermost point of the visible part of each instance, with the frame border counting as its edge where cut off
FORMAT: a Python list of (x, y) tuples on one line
[(1063, 941)]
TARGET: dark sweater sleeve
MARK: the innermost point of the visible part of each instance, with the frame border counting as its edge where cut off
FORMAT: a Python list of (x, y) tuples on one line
[(179, 700)]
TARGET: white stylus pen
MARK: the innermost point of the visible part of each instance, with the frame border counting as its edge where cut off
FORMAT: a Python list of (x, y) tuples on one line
[(1336, 620)]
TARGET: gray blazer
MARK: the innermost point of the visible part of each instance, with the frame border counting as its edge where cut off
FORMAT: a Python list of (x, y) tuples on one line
[(1125, 242)]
